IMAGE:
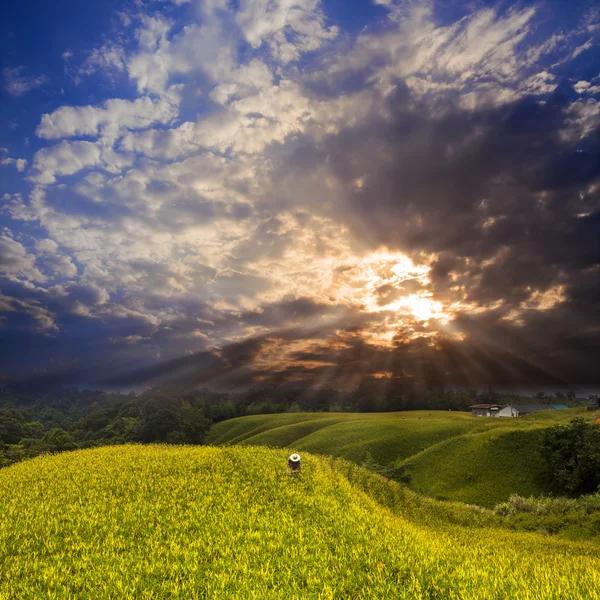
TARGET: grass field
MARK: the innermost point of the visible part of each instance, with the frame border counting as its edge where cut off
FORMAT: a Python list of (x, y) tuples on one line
[(204, 522), (448, 455)]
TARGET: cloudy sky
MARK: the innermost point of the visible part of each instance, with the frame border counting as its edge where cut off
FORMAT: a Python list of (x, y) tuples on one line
[(244, 192)]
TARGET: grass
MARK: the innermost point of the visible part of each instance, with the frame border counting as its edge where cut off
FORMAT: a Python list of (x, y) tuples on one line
[(349, 435), (571, 518), (446, 455), (481, 468), (204, 522)]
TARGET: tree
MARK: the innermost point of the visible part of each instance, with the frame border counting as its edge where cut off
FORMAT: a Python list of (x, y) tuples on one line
[(11, 426), (572, 455), (58, 439), (194, 424), (156, 425)]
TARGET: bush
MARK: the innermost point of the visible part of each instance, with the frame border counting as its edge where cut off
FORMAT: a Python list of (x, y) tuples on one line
[(572, 518), (572, 456)]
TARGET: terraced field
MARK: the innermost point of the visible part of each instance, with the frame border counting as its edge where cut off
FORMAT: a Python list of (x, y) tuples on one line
[(158, 522), (446, 455)]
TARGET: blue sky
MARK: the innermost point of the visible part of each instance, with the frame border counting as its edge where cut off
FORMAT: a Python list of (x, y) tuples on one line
[(301, 191)]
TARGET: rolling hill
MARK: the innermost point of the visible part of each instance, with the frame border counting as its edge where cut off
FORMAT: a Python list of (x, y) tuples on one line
[(446, 455), (206, 522)]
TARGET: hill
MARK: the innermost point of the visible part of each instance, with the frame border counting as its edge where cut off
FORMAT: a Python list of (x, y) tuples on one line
[(204, 522), (480, 468), (443, 454)]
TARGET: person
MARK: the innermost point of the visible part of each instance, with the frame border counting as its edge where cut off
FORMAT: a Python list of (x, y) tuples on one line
[(293, 465)]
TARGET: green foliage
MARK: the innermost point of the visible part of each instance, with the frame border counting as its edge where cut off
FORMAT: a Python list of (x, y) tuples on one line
[(482, 468), (72, 419), (572, 455), (186, 522), (573, 518), (541, 506), (57, 440), (444, 454), (15, 425)]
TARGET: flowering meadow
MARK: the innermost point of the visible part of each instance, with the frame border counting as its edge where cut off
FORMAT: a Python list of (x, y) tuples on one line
[(206, 522)]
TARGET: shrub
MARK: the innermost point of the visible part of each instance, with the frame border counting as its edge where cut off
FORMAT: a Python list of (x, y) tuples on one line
[(572, 455)]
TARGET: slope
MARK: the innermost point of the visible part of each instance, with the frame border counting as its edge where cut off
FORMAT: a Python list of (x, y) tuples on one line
[(386, 436), (200, 522), (482, 468), (448, 455)]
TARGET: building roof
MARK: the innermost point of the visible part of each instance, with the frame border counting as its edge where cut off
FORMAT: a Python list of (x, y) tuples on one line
[(559, 406), (527, 408), (488, 406)]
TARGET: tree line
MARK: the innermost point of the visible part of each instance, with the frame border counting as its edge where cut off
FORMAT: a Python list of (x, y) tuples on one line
[(35, 421)]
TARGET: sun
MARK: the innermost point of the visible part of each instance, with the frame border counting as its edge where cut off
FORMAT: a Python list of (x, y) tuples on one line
[(391, 284)]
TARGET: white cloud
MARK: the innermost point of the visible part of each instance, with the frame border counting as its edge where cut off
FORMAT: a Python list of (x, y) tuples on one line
[(260, 114), (163, 143), (20, 163), (288, 27), (16, 261), (589, 44), (256, 112), (539, 84), (65, 158), (246, 80), (53, 261), (249, 124), (153, 33), (482, 56), (591, 20), (267, 20), (108, 119), (17, 84), (196, 48), (108, 56), (584, 118), (585, 87), (87, 293), (46, 245)]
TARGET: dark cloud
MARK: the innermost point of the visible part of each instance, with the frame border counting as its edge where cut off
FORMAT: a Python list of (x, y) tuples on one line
[(344, 360), (289, 311), (508, 204)]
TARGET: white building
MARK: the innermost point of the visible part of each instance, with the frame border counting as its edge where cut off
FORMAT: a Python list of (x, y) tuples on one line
[(507, 411), (494, 410)]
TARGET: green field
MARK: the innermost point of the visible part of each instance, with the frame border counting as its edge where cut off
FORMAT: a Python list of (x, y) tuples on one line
[(205, 522), (447, 455)]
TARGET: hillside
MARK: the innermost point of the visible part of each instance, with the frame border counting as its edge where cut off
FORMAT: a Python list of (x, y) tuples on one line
[(204, 522), (480, 468), (443, 454)]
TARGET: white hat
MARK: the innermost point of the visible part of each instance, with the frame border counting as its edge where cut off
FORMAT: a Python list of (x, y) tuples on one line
[(295, 457)]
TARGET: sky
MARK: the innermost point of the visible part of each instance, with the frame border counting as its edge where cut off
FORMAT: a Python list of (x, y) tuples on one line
[(237, 193)]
